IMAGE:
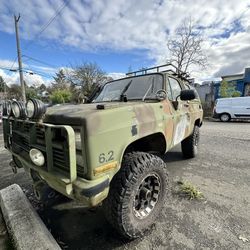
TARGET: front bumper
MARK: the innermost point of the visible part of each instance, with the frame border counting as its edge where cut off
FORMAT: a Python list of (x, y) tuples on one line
[(59, 173), (89, 192)]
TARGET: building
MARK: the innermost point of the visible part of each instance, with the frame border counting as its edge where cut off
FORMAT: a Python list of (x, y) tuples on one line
[(242, 83), (206, 91), (210, 91)]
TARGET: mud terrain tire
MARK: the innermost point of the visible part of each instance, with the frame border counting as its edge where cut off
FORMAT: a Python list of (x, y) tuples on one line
[(141, 181), (189, 145)]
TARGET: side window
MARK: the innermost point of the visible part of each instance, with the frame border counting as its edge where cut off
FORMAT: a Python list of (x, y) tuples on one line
[(175, 88)]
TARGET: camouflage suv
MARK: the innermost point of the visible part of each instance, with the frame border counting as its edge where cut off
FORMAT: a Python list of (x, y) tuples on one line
[(107, 151)]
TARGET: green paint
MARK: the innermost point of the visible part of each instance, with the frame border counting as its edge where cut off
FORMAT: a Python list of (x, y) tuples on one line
[(77, 139)]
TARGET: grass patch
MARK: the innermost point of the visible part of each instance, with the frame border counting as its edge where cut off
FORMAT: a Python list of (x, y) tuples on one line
[(190, 191)]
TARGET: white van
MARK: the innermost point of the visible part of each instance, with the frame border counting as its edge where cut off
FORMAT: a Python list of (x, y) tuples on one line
[(232, 108)]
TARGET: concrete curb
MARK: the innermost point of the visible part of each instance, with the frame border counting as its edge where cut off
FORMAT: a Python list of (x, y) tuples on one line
[(24, 225)]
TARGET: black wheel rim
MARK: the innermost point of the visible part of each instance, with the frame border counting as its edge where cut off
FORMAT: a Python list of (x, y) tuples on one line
[(147, 196)]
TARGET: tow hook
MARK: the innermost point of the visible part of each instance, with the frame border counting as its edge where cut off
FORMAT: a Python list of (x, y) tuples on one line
[(43, 192), (13, 167)]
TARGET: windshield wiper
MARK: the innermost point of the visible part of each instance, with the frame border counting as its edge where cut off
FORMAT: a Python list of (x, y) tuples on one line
[(122, 95), (151, 85)]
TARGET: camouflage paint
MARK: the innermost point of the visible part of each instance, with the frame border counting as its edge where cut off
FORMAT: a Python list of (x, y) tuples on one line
[(105, 134)]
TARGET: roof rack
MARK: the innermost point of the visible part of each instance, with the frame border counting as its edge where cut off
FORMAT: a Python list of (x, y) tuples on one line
[(172, 69)]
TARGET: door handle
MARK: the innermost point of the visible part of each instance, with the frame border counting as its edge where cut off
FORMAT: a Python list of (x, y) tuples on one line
[(248, 108), (186, 105)]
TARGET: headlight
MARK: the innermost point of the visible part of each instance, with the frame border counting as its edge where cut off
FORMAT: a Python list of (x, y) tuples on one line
[(30, 107), (35, 108), (18, 109), (6, 108), (37, 157)]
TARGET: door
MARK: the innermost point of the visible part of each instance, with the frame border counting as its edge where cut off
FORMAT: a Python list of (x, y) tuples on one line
[(241, 107), (179, 109)]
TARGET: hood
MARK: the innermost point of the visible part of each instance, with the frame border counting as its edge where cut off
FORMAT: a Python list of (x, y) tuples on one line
[(69, 114)]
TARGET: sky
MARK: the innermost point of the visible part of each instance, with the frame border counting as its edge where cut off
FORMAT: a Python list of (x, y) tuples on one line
[(119, 35)]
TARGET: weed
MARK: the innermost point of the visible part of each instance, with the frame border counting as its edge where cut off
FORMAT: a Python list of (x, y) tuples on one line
[(189, 190)]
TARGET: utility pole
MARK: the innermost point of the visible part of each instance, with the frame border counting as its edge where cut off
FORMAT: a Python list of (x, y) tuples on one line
[(19, 58), (4, 91)]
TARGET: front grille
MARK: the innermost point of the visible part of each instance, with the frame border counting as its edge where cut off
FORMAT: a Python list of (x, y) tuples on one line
[(60, 160), (20, 142), (40, 135), (24, 135)]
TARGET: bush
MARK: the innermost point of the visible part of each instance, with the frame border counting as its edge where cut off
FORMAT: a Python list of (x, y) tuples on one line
[(60, 96), (236, 94), (31, 93)]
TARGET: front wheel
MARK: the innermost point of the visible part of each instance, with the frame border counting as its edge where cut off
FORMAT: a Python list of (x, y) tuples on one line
[(225, 117), (189, 145), (137, 194)]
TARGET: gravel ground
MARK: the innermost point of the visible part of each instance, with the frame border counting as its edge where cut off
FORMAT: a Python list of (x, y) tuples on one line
[(3, 233), (220, 221)]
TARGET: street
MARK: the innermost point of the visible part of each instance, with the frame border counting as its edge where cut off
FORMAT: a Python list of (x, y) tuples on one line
[(219, 221)]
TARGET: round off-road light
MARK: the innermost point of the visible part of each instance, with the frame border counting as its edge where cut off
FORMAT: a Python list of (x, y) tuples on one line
[(37, 157), (30, 107), (6, 108), (35, 108), (18, 109)]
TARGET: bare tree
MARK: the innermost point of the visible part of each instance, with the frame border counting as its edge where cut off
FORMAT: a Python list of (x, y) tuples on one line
[(88, 76), (186, 47)]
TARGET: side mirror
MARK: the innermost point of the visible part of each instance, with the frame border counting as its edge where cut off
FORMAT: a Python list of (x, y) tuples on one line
[(187, 94), (161, 94)]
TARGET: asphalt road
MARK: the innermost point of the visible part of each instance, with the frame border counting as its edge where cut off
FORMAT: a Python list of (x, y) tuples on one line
[(221, 172)]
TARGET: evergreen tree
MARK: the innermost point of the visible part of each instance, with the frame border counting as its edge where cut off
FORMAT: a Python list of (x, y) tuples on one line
[(3, 85), (60, 80), (228, 89)]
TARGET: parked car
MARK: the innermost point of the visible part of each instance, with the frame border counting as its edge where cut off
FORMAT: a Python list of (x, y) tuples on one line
[(108, 149), (232, 108)]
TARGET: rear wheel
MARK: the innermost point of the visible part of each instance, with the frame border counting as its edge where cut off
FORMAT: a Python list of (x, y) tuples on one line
[(137, 194), (189, 145), (225, 117)]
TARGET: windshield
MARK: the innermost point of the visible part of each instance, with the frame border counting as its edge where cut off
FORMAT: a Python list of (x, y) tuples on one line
[(135, 88)]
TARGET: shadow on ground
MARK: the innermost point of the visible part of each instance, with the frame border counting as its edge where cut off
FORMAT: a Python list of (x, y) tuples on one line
[(76, 227), (80, 228)]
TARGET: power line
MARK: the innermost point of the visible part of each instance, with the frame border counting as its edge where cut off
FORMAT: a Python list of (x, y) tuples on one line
[(58, 11), (40, 74), (40, 61), (9, 69), (51, 20), (29, 71), (14, 61), (37, 72)]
